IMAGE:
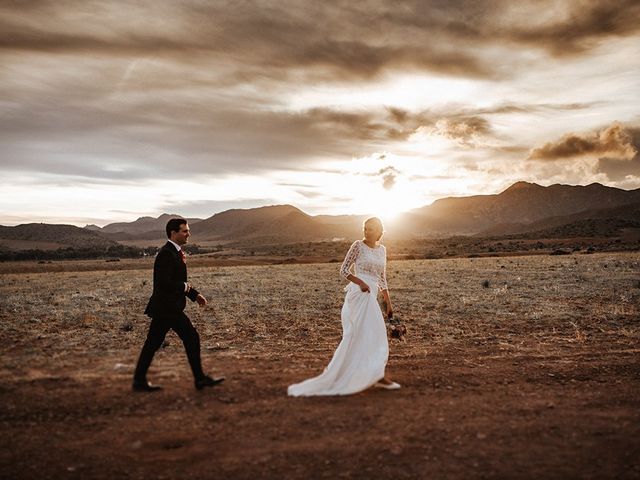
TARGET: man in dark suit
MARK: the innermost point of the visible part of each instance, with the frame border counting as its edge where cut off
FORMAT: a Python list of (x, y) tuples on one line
[(166, 305)]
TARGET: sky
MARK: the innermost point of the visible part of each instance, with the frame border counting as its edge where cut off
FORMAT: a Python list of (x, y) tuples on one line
[(114, 110)]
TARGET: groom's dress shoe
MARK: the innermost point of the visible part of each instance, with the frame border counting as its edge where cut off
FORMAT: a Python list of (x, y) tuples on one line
[(208, 381), (145, 387)]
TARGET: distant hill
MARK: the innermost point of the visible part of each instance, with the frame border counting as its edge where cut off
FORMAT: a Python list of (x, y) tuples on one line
[(240, 221), (275, 223), (522, 203), (142, 225), (46, 236), (588, 228), (341, 219), (628, 215), (346, 226), (524, 209), (521, 208)]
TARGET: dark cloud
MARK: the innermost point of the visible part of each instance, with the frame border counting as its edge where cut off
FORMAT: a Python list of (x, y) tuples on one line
[(396, 124), (512, 149), (309, 193), (614, 140), (276, 37), (151, 136), (381, 124), (464, 130), (583, 27), (507, 108), (389, 175), (156, 137), (339, 40), (154, 89), (617, 169)]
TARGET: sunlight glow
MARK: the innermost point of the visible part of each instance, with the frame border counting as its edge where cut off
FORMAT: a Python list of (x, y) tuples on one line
[(359, 187), (426, 143), (386, 203), (408, 91), (383, 184)]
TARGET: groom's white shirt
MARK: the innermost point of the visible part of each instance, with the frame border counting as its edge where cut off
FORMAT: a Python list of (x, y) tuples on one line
[(178, 247)]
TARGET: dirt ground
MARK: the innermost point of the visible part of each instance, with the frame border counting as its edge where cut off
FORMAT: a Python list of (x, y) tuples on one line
[(514, 367)]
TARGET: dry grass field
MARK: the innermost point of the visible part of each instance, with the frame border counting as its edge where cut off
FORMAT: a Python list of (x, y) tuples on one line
[(514, 367)]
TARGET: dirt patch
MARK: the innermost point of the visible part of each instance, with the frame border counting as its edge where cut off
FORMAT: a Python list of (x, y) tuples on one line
[(516, 367)]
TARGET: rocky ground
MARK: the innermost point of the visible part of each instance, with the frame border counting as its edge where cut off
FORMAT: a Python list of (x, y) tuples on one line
[(514, 367)]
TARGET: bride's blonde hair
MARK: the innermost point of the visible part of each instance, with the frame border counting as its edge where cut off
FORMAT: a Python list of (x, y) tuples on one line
[(378, 223)]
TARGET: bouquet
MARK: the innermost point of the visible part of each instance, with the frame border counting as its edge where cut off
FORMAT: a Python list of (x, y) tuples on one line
[(396, 328)]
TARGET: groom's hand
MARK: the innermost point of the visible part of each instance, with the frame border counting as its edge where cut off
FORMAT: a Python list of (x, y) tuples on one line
[(201, 300)]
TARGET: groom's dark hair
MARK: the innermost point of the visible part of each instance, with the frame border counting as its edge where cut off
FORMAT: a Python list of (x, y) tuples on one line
[(173, 225)]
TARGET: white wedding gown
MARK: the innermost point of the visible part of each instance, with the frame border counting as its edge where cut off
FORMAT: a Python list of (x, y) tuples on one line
[(360, 359)]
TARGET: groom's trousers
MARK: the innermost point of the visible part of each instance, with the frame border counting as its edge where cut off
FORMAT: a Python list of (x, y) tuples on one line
[(158, 329)]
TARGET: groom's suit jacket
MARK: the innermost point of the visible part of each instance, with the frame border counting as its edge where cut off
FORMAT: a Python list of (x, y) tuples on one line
[(169, 275)]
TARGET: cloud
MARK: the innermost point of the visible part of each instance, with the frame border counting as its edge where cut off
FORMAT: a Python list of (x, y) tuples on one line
[(579, 26), (127, 93), (339, 40), (276, 39), (622, 169), (381, 124), (392, 124), (614, 140), (508, 108), (465, 131), (103, 93), (389, 175), (155, 138)]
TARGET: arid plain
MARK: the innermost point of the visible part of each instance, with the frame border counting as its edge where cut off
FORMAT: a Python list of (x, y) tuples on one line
[(514, 367)]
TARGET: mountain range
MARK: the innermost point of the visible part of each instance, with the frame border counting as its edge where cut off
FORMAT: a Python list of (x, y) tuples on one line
[(49, 237), (522, 209)]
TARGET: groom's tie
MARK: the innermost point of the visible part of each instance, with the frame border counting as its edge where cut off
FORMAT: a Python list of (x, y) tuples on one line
[(183, 256)]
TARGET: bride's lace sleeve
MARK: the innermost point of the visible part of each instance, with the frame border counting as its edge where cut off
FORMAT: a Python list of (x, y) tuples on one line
[(350, 259), (382, 280)]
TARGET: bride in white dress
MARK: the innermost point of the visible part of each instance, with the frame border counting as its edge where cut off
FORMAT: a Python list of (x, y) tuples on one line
[(359, 361)]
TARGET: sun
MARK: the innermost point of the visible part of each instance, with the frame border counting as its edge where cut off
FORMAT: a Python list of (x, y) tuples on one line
[(387, 203), (389, 207), (384, 185)]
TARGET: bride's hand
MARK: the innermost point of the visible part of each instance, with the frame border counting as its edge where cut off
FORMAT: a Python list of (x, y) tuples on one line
[(364, 287)]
